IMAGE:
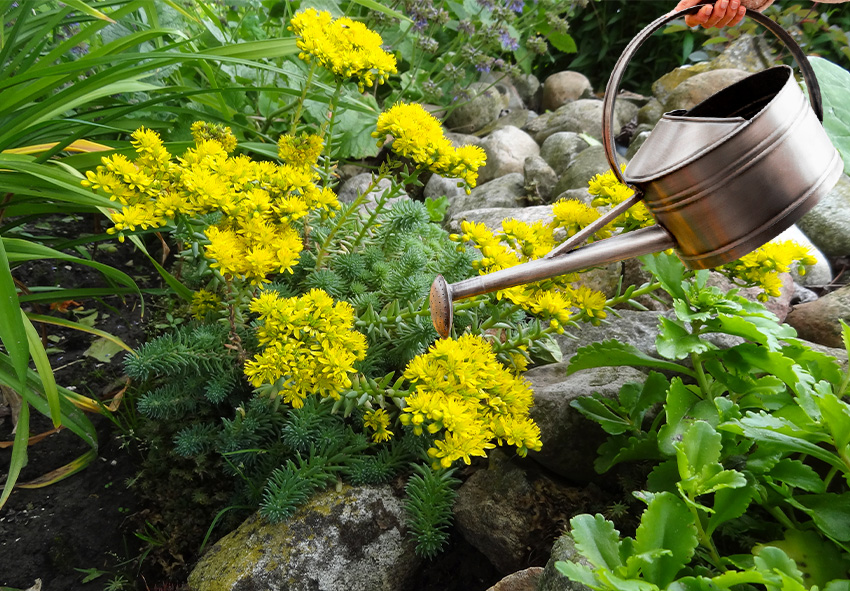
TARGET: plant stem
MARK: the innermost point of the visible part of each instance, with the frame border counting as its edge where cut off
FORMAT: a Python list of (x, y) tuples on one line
[(702, 380), (296, 116), (331, 121)]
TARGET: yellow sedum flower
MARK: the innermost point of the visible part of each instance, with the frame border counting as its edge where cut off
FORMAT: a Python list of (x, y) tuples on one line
[(461, 391), (762, 267), (258, 201), (418, 135), (204, 302), (346, 47), (379, 422), (309, 346), (609, 191)]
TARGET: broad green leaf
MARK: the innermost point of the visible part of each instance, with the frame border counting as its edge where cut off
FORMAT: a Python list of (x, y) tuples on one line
[(752, 427), (19, 452), (45, 372), (797, 474), (615, 583), (834, 83), (654, 391), (674, 341), (838, 585), (596, 410), (773, 362), (667, 269), (820, 560), (729, 503), (683, 406), (103, 350), (835, 414), (614, 353), (830, 512), (692, 584), (667, 524), (622, 448), (597, 540), (563, 42), (700, 447), (578, 573), (753, 328), (821, 365), (773, 560)]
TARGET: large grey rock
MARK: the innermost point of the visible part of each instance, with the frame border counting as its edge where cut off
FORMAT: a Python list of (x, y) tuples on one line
[(560, 149), (637, 141), (485, 106), (694, 90), (817, 275), (664, 86), (506, 191), (439, 186), (492, 511), (818, 321), (524, 580), (463, 139), (530, 90), (507, 148), (564, 87), (828, 223), (503, 83), (564, 550), (515, 117), (570, 441), (354, 539), (629, 326), (492, 216), (651, 112), (540, 179), (581, 116), (581, 194), (747, 53), (361, 183), (587, 164)]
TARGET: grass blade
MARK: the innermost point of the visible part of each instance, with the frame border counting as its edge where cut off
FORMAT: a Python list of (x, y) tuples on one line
[(12, 331), (62, 473), (45, 372), (85, 8), (80, 327), (19, 453)]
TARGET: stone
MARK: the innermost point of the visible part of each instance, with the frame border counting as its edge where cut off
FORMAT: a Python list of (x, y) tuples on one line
[(564, 550), (354, 539), (492, 511), (696, 89), (581, 116), (635, 274), (530, 90), (664, 86), (828, 223), (570, 441), (564, 87), (817, 275), (633, 327), (506, 191), (515, 117), (650, 113), (439, 186), (747, 52), (505, 86), (637, 141), (582, 195), (506, 149), (492, 216), (540, 179), (463, 139), (358, 184), (605, 278), (561, 148), (484, 106), (524, 580), (818, 321), (587, 164)]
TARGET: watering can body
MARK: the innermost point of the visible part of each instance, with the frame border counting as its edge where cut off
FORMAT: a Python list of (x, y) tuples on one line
[(721, 179)]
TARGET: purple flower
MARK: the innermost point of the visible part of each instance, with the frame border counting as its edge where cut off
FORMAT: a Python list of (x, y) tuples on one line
[(508, 42), (488, 4), (466, 27), (516, 5)]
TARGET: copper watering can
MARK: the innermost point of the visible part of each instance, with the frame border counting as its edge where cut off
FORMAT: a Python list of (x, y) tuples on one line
[(720, 179)]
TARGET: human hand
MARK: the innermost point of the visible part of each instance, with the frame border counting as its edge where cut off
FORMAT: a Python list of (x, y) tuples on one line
[(724, 13)]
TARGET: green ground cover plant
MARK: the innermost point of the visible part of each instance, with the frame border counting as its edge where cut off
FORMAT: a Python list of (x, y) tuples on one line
[(750, 453)]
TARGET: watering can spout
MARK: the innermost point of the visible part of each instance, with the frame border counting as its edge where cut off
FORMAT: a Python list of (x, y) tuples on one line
[(618, 248)]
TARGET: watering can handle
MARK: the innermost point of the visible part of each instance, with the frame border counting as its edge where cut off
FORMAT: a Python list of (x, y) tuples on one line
[(628, 53)]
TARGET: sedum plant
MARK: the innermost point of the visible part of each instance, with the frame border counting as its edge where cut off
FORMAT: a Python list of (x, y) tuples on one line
[(751, 456)]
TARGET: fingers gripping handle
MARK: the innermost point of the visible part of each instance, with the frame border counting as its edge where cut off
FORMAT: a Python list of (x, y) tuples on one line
[(628, 53)]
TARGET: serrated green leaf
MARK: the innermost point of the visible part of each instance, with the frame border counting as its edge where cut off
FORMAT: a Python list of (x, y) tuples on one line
[(622, 448), (614, 353), (654, 391), (835, 414), (729, 503), (820, 560), (700, 448), (674, 341), (682, 407), (597, 539), (774, 362), (667, 524), (596, 410), (773, 560), (753, 328), (834, 82), (796, 473), (830, 512), (753, 426), (693, 584), (838, 585), (578, 573), (668, 270)]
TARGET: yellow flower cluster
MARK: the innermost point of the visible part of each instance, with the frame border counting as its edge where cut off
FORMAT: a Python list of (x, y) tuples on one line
[(461, 391), (762, 266), (417, 135), (258, 201), (553, 299), (204, 302), (309, 345), (379, 422), (346, 47), (609, 191)]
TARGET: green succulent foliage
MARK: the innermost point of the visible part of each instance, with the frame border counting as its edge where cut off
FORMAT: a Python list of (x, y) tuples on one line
[(430, 497), (762, 427)]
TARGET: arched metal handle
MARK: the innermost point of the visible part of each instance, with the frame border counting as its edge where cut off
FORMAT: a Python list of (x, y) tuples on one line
[(628, 53)]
